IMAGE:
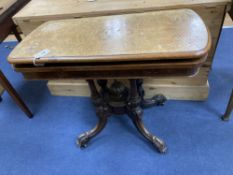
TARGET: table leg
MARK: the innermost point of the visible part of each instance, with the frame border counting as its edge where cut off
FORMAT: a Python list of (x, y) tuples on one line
[(226, 116), (84, 138), (102, 111), (135, 112), (8, 87)]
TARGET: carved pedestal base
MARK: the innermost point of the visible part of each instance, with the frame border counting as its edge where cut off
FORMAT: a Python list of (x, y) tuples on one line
[(118, 99)]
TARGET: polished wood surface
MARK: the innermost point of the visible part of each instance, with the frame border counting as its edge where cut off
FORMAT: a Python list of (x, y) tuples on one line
[(132, 37)]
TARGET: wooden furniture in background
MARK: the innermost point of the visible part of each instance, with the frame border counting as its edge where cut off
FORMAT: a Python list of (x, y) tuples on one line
[(185, 88), (229, 109), (8, 8), (231, 11), (228, 23), (195, 90), (8, 87), (172, 43)]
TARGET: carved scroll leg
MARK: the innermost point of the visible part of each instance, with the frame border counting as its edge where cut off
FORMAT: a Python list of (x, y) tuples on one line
[(102, 111), (229, 109), (135, 112), (157, 142), (87, 136)]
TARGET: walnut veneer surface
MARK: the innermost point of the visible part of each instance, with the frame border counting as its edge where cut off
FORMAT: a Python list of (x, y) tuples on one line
[(174, 34)]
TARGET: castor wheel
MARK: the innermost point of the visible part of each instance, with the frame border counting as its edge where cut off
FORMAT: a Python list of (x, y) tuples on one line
[(160, 145), (157, 100), (83, 140), (160, 99), (163, 149), (225, 119)]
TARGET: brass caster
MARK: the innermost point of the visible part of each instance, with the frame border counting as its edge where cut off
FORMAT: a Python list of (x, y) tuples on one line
[(160, 145), (83, 140)]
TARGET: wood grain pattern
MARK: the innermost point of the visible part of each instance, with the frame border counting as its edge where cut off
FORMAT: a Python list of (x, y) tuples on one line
[(171, 89), (81, 8), (40, 11), (131, 37), (179, 91)]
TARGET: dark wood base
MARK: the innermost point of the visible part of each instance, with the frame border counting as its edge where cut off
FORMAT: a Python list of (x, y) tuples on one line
[(118, 99)]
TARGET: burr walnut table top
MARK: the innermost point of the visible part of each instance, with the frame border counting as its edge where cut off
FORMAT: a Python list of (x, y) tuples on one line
[(174, 42), (132, 37)]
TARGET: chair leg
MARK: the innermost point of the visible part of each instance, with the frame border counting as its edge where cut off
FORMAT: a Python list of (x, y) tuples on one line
[(12, 92), (16, 33), (227, 114)]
